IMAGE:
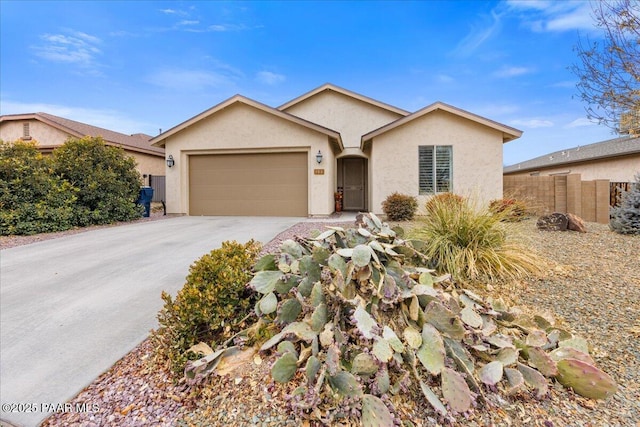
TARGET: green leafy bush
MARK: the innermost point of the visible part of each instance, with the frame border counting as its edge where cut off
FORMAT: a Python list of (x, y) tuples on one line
[(625, 219), (32, 199), (400, 207), (106, 178), (209, 305), (514, 210), (471, 242)]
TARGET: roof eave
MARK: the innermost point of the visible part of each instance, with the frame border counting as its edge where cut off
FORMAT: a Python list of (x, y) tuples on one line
[(346, 92), (508, 133), (159, 141)]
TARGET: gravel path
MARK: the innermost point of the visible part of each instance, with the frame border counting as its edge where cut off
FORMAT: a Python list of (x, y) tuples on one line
[(592, 284)]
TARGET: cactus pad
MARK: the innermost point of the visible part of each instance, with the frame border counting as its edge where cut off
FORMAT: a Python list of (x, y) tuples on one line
[(585, 379), (542, 362), (364, 322), (374, 412), (345, 384), (431, 352), (285, 368), (455, 390), (491, 373)]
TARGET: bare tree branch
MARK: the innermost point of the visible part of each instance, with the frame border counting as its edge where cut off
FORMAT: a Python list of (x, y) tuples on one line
[(609, 70)]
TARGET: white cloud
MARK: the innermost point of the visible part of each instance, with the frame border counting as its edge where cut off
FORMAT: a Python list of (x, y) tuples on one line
[(581, 122), (174, 12), (541, 16), (479, 34), (75, 47), (188, 22), (270, 78), (444, 78), (226, 27), (565, 84), (494, 111), (505, 72), (104, 118), (532, 123), (190, 80)]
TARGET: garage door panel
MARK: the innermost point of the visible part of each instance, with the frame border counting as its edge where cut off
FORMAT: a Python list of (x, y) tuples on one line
[(265, 184)]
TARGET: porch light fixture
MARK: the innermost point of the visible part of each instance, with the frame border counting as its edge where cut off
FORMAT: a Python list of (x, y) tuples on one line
[(319, 157), (170, 161)]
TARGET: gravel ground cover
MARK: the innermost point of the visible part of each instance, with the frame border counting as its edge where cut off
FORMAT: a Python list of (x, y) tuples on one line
[(591, 284)]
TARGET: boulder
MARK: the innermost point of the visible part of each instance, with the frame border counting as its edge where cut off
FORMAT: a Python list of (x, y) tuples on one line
[(576, 223), (553, 222)]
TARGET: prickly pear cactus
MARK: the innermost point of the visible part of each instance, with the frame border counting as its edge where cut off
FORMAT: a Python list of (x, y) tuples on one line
[(374, 412), (585, 379), (358, 316)]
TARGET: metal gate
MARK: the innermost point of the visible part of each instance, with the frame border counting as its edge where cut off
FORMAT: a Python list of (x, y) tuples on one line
[(157, 183)]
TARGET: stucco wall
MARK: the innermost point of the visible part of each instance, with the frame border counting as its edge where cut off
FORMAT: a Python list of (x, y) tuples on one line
[(148, 164), (477, 158), (616, 169), (41, 132), (242, 128), (350, 117)]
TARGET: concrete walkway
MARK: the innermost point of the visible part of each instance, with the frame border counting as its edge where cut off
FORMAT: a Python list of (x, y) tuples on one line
[(73, 306)]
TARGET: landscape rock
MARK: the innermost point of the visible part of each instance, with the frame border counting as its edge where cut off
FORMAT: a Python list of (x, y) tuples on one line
[(576, 223), (553, 222)]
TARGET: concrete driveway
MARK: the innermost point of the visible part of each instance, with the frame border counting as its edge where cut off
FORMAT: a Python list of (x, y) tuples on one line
[(71, 307)]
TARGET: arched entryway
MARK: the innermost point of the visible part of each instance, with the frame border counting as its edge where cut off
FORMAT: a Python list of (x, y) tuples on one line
[(352, 182)]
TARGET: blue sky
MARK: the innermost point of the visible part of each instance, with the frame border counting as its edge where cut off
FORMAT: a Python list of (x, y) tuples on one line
[(141, 66)]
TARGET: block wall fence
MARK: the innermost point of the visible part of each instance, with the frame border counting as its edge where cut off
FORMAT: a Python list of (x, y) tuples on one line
[(562, 193)]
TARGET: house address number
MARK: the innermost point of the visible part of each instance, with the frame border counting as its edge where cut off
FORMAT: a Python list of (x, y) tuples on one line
[(318, 171)]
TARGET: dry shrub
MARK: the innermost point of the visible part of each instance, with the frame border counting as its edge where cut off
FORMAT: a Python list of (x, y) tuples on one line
[(400, 207)]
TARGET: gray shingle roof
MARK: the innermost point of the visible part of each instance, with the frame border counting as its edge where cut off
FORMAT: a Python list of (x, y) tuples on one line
[(599, 150)]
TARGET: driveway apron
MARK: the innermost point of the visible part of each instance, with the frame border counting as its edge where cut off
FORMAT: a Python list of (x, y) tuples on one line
[(73, 306)]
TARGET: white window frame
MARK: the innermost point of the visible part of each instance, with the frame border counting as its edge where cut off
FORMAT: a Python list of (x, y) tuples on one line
[(435, 169)]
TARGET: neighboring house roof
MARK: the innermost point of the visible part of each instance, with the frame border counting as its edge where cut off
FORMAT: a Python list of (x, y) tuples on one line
[(508, 133), (329, 86), (335, 136), (600, 150), (137, 142)]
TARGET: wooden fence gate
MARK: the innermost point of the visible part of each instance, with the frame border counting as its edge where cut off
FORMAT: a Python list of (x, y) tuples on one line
[(615, 192)]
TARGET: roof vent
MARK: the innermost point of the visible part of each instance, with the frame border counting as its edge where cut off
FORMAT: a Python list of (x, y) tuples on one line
[(564, 153), (550, 157)]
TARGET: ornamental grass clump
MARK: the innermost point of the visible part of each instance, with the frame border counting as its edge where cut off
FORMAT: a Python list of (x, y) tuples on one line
[(470, 242)]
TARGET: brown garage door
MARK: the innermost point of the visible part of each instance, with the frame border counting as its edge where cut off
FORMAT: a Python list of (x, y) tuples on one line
[(265, 184)]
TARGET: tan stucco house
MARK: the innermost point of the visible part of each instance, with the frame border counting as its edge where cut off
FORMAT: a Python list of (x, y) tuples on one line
[(617, 160), (242, 157), (51, 131)]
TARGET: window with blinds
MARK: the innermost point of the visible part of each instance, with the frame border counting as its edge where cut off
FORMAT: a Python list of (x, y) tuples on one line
[(435, 168)]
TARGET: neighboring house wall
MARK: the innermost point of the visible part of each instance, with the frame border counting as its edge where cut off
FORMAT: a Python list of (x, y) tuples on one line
[(48, 137), (148, 164), (477, 154), (615, 169), (40, 132), (350, 117), (241, 128)]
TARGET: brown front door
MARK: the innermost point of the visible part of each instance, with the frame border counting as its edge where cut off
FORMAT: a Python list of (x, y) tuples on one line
[(353, 175)]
